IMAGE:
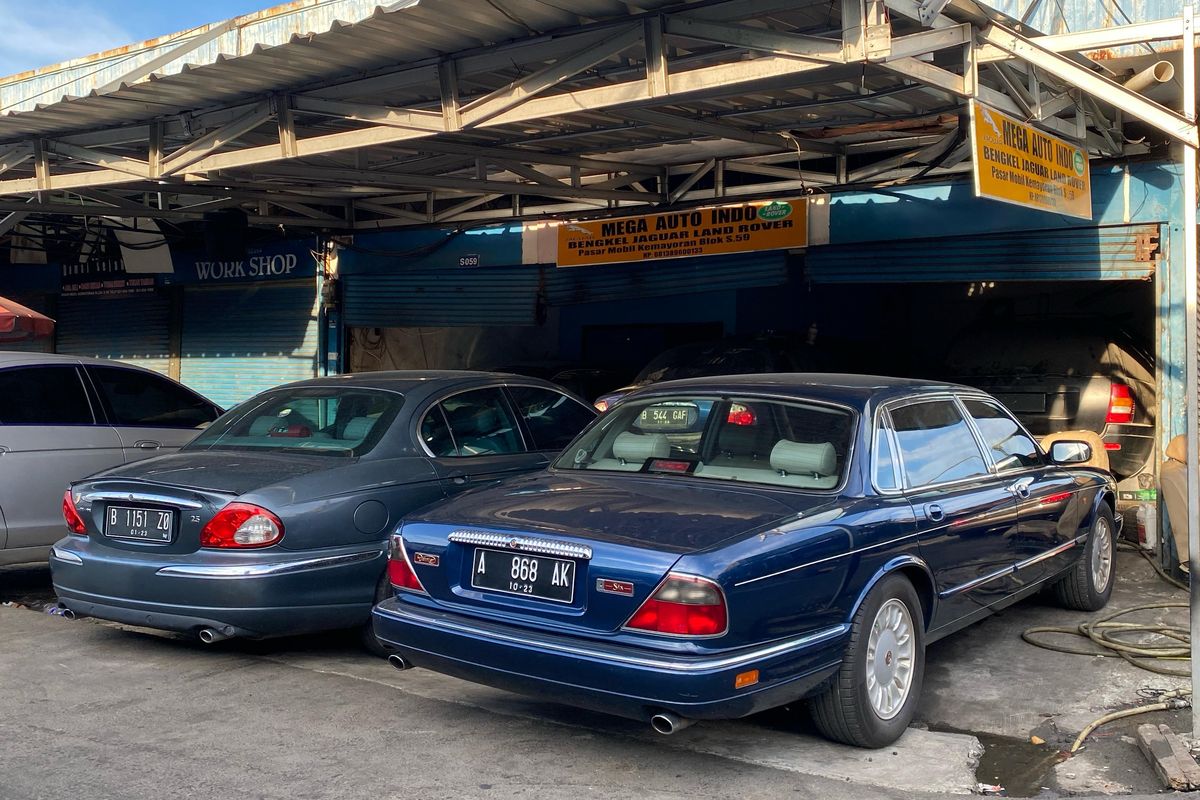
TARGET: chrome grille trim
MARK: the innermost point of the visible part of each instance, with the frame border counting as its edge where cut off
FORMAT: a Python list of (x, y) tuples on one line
[(523, 544)]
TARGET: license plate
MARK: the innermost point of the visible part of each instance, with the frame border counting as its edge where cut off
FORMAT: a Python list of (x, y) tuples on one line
[(139, 524), (525, 575)]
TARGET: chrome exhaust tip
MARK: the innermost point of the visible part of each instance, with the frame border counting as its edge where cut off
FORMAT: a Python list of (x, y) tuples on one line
[(66, 613), (399, 662), (668, 723), (209, 635)]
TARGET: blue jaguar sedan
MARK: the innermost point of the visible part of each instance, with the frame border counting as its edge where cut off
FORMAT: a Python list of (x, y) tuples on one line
[(715, 547)]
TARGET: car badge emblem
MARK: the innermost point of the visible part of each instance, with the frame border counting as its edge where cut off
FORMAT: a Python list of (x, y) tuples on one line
[(609, 586), (428, 559), (513, 544)]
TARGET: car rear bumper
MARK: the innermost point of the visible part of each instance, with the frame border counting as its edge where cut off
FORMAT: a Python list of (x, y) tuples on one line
[(615, 679), (257, 595)]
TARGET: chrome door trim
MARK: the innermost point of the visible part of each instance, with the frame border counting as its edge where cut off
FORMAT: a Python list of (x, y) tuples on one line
[(522, 544), (141, 497), (1009, 570)]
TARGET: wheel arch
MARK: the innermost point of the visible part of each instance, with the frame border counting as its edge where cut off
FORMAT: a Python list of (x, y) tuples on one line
[(913, 569)]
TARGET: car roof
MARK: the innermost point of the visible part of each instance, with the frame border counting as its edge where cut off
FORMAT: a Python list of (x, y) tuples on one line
[(830, 386), (13, 358), (412, 381)]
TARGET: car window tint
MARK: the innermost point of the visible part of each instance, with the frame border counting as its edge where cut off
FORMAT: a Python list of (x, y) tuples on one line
[(1011, 448), (43, 396), (143, 399), (552, 418), (482, 424), (935, 443), (436, 435), (886, 474)]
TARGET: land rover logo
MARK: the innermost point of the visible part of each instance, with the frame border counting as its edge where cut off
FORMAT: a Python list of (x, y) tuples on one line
[(775, 210), (1079, 162)]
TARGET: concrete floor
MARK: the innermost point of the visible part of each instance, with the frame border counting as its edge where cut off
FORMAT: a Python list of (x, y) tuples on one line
[(315, 717)]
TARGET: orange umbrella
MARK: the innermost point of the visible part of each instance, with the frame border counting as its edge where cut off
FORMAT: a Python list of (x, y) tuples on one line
[(18, 322)]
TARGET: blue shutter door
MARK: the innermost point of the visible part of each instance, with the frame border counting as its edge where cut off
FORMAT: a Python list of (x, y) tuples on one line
[(133, 328), (1113, 252), (569, 285), (237, 342), (415, 298)]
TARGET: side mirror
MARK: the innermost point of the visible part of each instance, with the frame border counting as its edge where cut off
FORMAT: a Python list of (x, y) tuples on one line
[(1066, 451)]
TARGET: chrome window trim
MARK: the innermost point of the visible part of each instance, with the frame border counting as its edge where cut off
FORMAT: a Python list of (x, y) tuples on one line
[(929, 398), (522, 544), (988, 400), (855, 421), (685, 664), (237, 571), (881, 422)]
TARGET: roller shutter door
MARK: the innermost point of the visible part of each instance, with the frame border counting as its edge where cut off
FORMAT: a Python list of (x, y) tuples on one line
[(237, 342), (135, 329)]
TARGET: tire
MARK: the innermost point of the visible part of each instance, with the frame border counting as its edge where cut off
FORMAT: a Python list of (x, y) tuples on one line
[(845, 711), (370, 641), (1080, 589)]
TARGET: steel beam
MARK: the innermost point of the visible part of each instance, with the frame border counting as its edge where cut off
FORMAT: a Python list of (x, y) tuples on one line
[(214, 140), (376, 115), (1096, 85), (1096, 39), (815, 48), (118, 163)]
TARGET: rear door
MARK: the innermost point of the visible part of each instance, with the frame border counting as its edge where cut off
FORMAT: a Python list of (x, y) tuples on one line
[(153, 415), (1042, 491), (50, 435), (965, 518), (473, 438)]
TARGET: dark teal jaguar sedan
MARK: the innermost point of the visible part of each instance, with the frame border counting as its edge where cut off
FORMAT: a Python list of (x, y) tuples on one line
[(714, 547)]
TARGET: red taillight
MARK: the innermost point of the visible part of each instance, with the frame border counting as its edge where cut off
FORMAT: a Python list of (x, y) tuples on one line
[(400, 571), (242, 525), (1120, 404), (1112, 445), (601, 405), (683, 605), (740, 415), (71, 515)]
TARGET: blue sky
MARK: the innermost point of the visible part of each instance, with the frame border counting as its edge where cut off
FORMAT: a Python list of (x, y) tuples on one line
[(43, 32)]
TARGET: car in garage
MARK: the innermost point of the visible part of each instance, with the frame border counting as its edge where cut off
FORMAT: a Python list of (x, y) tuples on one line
[(809, 543), (1067, 374), (65, 417), (275, 519)]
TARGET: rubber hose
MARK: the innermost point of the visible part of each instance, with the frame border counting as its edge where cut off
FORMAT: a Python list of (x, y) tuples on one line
[(1165, 705)]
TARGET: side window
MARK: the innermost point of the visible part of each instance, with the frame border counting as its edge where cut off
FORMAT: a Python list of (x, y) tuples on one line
[(552, 418), (143, 399), (44, 396), (887, 472), (481, 423), (935, 443), (436, 434), (1012, 449)]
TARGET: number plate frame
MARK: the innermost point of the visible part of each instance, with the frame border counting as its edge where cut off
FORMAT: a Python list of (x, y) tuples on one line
[(160, 537), (504, 564)]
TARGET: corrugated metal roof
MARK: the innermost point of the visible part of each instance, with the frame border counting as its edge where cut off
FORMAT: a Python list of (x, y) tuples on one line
[(407, 32)]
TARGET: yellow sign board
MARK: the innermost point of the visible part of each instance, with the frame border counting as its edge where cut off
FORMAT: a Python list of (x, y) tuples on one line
[(1017, 163), (740, 228)]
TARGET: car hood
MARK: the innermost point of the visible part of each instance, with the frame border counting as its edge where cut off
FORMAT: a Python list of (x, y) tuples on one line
[(681, 515), (229, 471)]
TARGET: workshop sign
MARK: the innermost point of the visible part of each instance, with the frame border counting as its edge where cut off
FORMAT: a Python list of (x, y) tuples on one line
[(737, 228), (1016, 163)]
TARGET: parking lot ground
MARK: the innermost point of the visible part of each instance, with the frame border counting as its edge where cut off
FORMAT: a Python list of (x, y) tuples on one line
[(95, 710)]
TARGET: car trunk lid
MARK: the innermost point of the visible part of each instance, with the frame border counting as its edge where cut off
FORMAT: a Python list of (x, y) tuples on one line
[(576, 552)]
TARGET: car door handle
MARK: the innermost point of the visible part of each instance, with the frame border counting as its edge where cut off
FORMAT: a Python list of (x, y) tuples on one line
[(935, 512), (147, 444), (1020, 488)]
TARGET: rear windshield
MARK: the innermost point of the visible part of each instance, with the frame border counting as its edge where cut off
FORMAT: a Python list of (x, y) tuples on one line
[(804, 445), (333, 421)]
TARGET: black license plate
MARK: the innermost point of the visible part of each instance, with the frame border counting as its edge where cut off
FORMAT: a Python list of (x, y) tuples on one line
[(523, 574), (139, 524)]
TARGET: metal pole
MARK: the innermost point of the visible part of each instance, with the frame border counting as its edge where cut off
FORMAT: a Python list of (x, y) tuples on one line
[(1192, 373)]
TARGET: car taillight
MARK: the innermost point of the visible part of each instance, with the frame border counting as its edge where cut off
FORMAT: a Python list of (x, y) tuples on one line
[(683, 605), (242, 525), (1120, 404), (740, 415), (601, 405), (400, 571), (71, 515)]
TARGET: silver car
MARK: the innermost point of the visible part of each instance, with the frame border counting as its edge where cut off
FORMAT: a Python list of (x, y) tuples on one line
[(63, 418)]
